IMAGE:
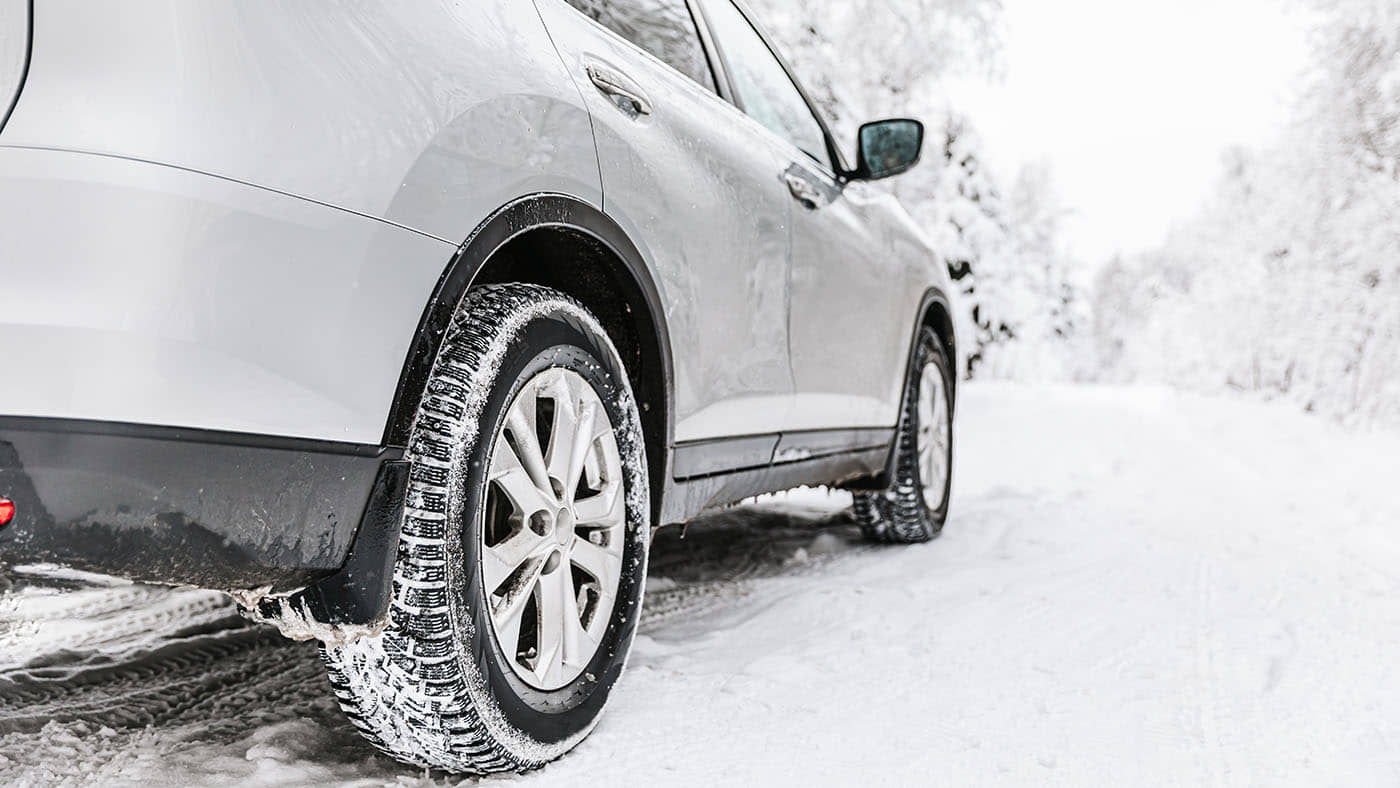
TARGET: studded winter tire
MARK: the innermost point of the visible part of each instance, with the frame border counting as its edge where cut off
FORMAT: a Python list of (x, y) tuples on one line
[(520, 571), (914, 508)]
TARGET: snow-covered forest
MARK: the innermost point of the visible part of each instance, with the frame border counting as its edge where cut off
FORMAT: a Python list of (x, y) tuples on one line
[(1288, 282), (1285, 284)]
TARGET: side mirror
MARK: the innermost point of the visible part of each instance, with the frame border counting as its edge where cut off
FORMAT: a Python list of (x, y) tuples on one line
[(888, 148)]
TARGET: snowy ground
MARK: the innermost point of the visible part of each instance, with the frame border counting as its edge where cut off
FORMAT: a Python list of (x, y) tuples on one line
[(1135, 588)]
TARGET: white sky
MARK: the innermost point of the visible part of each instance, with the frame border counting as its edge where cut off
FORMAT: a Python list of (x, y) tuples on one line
[(1132, 103)]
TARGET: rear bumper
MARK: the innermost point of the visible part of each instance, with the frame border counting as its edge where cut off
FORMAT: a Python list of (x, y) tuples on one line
[(185, 507)]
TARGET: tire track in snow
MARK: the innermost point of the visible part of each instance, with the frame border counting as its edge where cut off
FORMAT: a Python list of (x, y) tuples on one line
[(134, 662)]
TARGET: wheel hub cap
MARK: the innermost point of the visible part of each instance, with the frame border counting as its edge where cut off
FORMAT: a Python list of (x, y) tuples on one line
[(553, 530)]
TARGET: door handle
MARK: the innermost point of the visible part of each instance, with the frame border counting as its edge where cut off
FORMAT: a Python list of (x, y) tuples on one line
[(624, 92), (804, 191)]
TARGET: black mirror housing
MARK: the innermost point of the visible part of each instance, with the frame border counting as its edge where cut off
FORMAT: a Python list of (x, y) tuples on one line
[(887, 148)]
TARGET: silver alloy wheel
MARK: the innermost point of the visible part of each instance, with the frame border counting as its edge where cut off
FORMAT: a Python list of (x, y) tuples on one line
[(933, 436), (554, 528)]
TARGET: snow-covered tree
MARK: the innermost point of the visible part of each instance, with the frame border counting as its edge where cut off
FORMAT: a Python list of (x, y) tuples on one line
[(1020, 310), (1288, 283), (867, 59)]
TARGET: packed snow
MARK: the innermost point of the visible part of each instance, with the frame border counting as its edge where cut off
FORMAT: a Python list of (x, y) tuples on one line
[(1136, 587)]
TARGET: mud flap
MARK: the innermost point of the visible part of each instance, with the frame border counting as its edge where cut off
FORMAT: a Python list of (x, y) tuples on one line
[(355, 600)]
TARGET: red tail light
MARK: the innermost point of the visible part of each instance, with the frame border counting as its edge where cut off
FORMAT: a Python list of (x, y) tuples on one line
[(7, 511)]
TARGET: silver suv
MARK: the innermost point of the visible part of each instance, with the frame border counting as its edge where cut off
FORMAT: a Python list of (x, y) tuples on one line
[(405, 323)]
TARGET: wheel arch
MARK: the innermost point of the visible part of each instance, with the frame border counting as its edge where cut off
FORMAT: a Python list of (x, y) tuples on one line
[(936, 312), (562, 242)]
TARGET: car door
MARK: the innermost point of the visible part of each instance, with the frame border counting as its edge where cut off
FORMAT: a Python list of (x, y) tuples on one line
[(852, 308), (846, 334), (704, 201)]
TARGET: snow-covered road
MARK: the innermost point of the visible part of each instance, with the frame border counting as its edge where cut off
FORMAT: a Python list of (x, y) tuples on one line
[(1136, 587)]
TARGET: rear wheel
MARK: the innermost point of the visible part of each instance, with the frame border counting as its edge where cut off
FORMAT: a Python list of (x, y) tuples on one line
[(916, 505), (519, 575)]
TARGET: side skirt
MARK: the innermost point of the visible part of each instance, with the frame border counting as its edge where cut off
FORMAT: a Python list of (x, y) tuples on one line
[(721, 472)]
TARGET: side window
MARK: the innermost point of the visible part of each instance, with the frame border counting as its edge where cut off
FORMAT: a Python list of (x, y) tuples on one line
[(765, 91), (664, 28)]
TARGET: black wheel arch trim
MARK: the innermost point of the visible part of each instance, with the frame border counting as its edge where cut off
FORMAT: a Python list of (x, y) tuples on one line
[(934, 297), (529, 213), (8, 108)]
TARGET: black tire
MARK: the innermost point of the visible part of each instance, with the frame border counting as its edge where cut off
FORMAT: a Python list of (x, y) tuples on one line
[(434, 689), (902, 514)]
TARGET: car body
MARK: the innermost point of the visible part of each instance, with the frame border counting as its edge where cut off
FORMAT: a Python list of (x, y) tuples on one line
[(232, 235)]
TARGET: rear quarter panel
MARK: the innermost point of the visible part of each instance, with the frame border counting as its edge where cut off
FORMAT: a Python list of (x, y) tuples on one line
[(428, 114), (231, 215)]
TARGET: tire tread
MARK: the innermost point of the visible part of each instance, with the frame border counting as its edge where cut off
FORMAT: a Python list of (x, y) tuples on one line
[(407, 694)]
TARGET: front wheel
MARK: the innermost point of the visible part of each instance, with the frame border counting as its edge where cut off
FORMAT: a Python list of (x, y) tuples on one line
[(916, 505), (519, 575)]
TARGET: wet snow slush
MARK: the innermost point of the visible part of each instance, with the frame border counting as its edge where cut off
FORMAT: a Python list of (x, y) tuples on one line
[(1136, 587)]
